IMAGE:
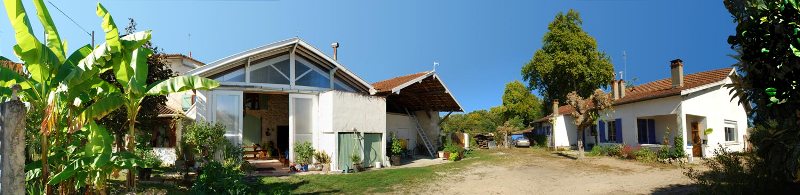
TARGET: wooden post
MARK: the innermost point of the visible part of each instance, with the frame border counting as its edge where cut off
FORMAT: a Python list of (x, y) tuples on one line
[(12, 130)]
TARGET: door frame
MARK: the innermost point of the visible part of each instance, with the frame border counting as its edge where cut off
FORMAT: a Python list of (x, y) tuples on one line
[(696, 146), (314, 117), (239, 109)]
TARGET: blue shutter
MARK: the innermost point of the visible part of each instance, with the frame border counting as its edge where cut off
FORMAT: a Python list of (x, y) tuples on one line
[(651, 130), (602, 131), (619, 130)]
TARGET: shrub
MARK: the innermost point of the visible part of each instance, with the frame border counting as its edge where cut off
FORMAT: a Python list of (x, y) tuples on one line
[(355, 159), (452, 148), (322, 157), (678, 149), (454, 156), (736, 173), (540, 140), (397, 146), (614, 150), (627, 152), (216, 178), (303, 153), (149, 158), (233, 152), (597, 151), (203, 138), (645, 155)]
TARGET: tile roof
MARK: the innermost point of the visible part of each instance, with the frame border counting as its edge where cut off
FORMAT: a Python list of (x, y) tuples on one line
[(177, 55), (166, 110), (389, 84), (17, 67), (663, 88)]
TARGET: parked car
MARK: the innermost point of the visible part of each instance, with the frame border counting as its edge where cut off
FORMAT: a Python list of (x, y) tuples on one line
[(520, 141)]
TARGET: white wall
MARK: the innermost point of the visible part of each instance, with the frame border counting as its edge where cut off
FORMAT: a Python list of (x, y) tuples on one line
[(716, 105), (345, 111), (402, 126)]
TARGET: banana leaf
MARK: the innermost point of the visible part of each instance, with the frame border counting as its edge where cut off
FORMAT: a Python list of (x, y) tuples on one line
[(53, 39), (180, 84)]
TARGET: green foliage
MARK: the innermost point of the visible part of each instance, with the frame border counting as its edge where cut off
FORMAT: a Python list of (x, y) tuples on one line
[(569, 60), (735, 173), (645, 155), (233, 152), (216, 178), (518, 101), (355, 158), (322, 157), (767, 39), (678, 146), (475, 122), (708, 131), (455, 156), (541, 141), (149, 158), (303, 152), (397, 146), (452, 148), (203, 138)]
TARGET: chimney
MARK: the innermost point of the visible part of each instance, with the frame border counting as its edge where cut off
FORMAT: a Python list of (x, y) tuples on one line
[(555, 107), (614, 91), (676, 67), (335, 46), (621, 88)]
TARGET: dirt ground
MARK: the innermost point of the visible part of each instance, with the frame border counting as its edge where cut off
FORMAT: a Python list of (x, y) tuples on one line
[(525, 171)]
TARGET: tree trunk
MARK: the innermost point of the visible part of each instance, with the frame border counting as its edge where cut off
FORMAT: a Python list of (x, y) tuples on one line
[(12, 125), (580, 142), (132, 145)]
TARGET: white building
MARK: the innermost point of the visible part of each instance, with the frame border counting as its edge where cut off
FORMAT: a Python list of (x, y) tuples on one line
[(683, 105), (289, 92)]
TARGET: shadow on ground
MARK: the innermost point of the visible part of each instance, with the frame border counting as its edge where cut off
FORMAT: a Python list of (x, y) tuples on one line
[(676, 189)]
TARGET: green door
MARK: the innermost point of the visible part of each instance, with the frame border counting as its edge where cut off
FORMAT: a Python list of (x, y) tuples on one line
[(252, 130), (348, 145), (372, 148)]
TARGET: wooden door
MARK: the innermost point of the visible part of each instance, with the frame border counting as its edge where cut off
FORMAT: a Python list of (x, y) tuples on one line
[(697, 143)]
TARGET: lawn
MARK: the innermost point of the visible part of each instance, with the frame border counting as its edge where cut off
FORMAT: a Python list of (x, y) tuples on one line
[(375, 181)]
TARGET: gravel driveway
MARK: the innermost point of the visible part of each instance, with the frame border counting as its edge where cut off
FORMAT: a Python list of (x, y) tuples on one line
[(529, 171)]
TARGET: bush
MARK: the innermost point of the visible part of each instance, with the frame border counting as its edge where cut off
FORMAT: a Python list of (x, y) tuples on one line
[(355, 159), (204, 138), (737, 173), (627, 152), (397, 146), (216, 178), (645, 155), (454, 156), (303, 153), (322, 157), (233, 152), (452, 148), (149, 158), (614, 150), (540, 140)]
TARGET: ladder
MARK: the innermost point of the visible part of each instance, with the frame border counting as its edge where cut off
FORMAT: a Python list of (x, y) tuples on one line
[(421, 132)]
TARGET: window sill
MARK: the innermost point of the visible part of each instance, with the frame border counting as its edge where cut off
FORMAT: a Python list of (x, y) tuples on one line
[(731, 143)]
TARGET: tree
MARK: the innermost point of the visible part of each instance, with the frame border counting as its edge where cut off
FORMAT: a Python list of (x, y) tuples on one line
[(518, 101), (511, 125), (158, 70), (768, 35), (478, 121), (568, 61), (586, 111)]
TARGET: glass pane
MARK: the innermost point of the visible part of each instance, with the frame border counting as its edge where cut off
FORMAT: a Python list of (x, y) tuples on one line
[(302, 115), (268, 74), (234, 76), (283, 66), (300, 68), (340, 87), (227, 113), (314, 79)]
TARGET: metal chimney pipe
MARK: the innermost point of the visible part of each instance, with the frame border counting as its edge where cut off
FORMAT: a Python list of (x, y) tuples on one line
[(335, 46)]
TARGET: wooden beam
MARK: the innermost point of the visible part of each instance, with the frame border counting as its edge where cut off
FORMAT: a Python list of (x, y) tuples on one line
[(445, 118)]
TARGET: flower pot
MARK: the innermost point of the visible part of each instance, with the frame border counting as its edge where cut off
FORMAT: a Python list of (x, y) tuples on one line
[(446, 155), (395, 160), (305, 168)]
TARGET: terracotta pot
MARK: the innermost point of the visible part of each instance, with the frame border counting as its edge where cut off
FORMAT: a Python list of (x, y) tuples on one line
[(446, 155), (395, 160)]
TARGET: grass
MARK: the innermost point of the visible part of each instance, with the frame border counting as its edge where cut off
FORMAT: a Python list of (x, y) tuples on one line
[(376, 181)]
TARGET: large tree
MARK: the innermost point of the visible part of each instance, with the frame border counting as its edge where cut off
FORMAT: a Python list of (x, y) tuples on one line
[(768, 35), (569, 60), (586, 111), (518, 101)]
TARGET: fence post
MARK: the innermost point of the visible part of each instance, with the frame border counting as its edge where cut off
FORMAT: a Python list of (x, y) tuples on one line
[(12, 131)]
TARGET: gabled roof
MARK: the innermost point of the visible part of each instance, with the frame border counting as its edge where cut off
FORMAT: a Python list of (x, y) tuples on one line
[(177, 55), (295, 42), (418, 91), (663, 88)]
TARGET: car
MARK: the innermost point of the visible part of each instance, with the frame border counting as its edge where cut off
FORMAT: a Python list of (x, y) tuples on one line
[(522, 142)]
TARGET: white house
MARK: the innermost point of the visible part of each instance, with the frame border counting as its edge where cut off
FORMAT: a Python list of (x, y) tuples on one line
[(643, 115), (289, 92)]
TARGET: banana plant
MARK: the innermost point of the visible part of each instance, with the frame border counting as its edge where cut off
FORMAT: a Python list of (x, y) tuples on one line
[(67, 92)]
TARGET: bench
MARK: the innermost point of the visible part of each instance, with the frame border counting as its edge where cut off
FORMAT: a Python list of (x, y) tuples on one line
[(254, 151)]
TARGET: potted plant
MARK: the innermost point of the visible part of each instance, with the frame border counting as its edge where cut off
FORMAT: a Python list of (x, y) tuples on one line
[(450, 149), (149, 161), (303, 154), (324, 160), (706, 133), (356, 160), (397, 150)]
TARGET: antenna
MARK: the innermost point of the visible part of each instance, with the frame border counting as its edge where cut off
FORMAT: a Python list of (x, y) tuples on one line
[(435, 64), (624, 62), (189, 44)]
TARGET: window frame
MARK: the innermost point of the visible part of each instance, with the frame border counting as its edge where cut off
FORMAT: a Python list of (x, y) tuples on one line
[(735, 131), (611, 125)]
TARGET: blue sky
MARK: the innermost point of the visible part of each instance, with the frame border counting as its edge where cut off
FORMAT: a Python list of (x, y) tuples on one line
[(480, 45)]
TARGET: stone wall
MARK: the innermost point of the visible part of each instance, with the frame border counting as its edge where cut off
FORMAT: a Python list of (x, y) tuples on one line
[(276, 114)]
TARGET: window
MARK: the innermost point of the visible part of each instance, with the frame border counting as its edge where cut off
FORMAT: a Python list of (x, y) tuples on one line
[(730, 131), (612, 131), (236, 75), (307, 75), (270, 72)]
